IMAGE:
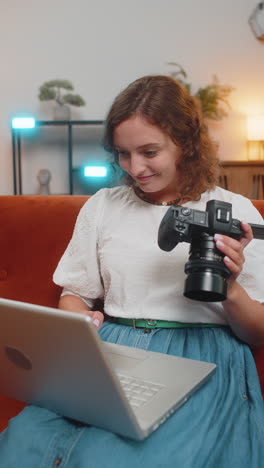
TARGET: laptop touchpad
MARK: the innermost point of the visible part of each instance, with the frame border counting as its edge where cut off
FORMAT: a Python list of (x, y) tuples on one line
[(120, 362)]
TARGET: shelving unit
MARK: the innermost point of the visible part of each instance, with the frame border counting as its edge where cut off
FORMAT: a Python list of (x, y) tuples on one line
[(244, 177), (17, 136)]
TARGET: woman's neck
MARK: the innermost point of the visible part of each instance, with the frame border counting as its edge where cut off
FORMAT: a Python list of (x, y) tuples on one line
[(157, 198)]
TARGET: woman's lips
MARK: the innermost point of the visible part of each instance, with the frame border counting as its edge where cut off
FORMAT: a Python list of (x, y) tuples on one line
[(144, 178)]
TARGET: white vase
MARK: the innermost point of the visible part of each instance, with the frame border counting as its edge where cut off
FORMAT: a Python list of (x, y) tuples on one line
[(62, 112)]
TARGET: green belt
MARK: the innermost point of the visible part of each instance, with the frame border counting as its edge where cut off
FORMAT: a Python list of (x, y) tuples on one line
[(144, 323)]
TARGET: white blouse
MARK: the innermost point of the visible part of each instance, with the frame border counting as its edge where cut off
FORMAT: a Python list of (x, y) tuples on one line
[(114, 255)]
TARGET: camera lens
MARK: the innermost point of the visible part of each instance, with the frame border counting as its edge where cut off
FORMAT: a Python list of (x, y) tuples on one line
[(206, 272)]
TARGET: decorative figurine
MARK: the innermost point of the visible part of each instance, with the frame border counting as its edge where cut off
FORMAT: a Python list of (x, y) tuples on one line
[(44, 177)]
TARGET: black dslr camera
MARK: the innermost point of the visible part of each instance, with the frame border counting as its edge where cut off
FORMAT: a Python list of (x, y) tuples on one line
[(206, 271)]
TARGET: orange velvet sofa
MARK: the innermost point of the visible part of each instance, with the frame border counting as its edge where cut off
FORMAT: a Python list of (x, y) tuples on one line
[(35, 231)]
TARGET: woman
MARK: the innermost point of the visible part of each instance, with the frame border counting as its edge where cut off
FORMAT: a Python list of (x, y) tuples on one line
[(157, 136)]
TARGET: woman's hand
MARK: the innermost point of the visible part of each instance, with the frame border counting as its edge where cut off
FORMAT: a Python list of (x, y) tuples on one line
[(96, 316), (233, 251), (244, 315), (76, 304)]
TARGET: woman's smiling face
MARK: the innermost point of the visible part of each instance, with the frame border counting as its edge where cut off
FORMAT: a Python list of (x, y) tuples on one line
[(149, 156)]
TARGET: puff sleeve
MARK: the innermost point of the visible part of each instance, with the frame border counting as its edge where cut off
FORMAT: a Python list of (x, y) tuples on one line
[(78, 270)]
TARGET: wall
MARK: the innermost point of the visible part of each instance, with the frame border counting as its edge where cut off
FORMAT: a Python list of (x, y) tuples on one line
[(102, 46)]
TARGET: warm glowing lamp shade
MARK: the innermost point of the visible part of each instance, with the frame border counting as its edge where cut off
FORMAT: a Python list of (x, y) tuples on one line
[(255, 134), (256, 128)]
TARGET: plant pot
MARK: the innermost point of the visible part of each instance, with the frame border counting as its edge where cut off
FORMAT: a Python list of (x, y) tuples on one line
[(62, 112)]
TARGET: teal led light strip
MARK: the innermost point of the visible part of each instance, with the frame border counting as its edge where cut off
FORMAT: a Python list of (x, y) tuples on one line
[(95, 171), (23, 122)]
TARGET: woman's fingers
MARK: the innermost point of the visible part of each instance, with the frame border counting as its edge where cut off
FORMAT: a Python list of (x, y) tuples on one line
[(96, 316), (233, 249), (247, 234)]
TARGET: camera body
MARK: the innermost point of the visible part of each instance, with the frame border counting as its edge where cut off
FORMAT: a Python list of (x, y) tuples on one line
[(207, 273), (181, 224)]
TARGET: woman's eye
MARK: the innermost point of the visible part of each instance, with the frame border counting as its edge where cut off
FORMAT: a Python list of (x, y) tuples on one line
[(151, 153)]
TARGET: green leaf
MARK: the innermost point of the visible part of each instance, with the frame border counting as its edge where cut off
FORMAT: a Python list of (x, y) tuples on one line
[(65, 84), (52, 90), (74, 100), (180, 71), (46, 94), (212, 97)]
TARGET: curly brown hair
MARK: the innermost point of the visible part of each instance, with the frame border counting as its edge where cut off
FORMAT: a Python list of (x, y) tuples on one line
[(164, 102)]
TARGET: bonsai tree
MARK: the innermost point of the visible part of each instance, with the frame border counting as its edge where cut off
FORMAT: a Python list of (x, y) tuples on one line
[(211, 96), (52, 90)]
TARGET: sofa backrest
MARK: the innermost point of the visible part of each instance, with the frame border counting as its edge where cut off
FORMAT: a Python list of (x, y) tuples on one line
[(259, 204), (35, 232)]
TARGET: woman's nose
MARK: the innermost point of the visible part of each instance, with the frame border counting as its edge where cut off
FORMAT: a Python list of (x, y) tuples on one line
[(137, 165)]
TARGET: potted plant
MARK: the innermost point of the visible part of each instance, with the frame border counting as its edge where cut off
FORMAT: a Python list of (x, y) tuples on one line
[(54, 90), (211, 96)]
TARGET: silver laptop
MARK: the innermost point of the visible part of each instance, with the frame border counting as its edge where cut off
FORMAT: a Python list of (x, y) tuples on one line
[(56, 359)]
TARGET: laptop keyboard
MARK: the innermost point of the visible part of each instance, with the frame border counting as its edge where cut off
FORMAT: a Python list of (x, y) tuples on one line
[(138, 391)]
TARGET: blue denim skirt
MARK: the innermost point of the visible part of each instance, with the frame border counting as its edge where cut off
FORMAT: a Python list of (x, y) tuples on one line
[(220, 426)]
